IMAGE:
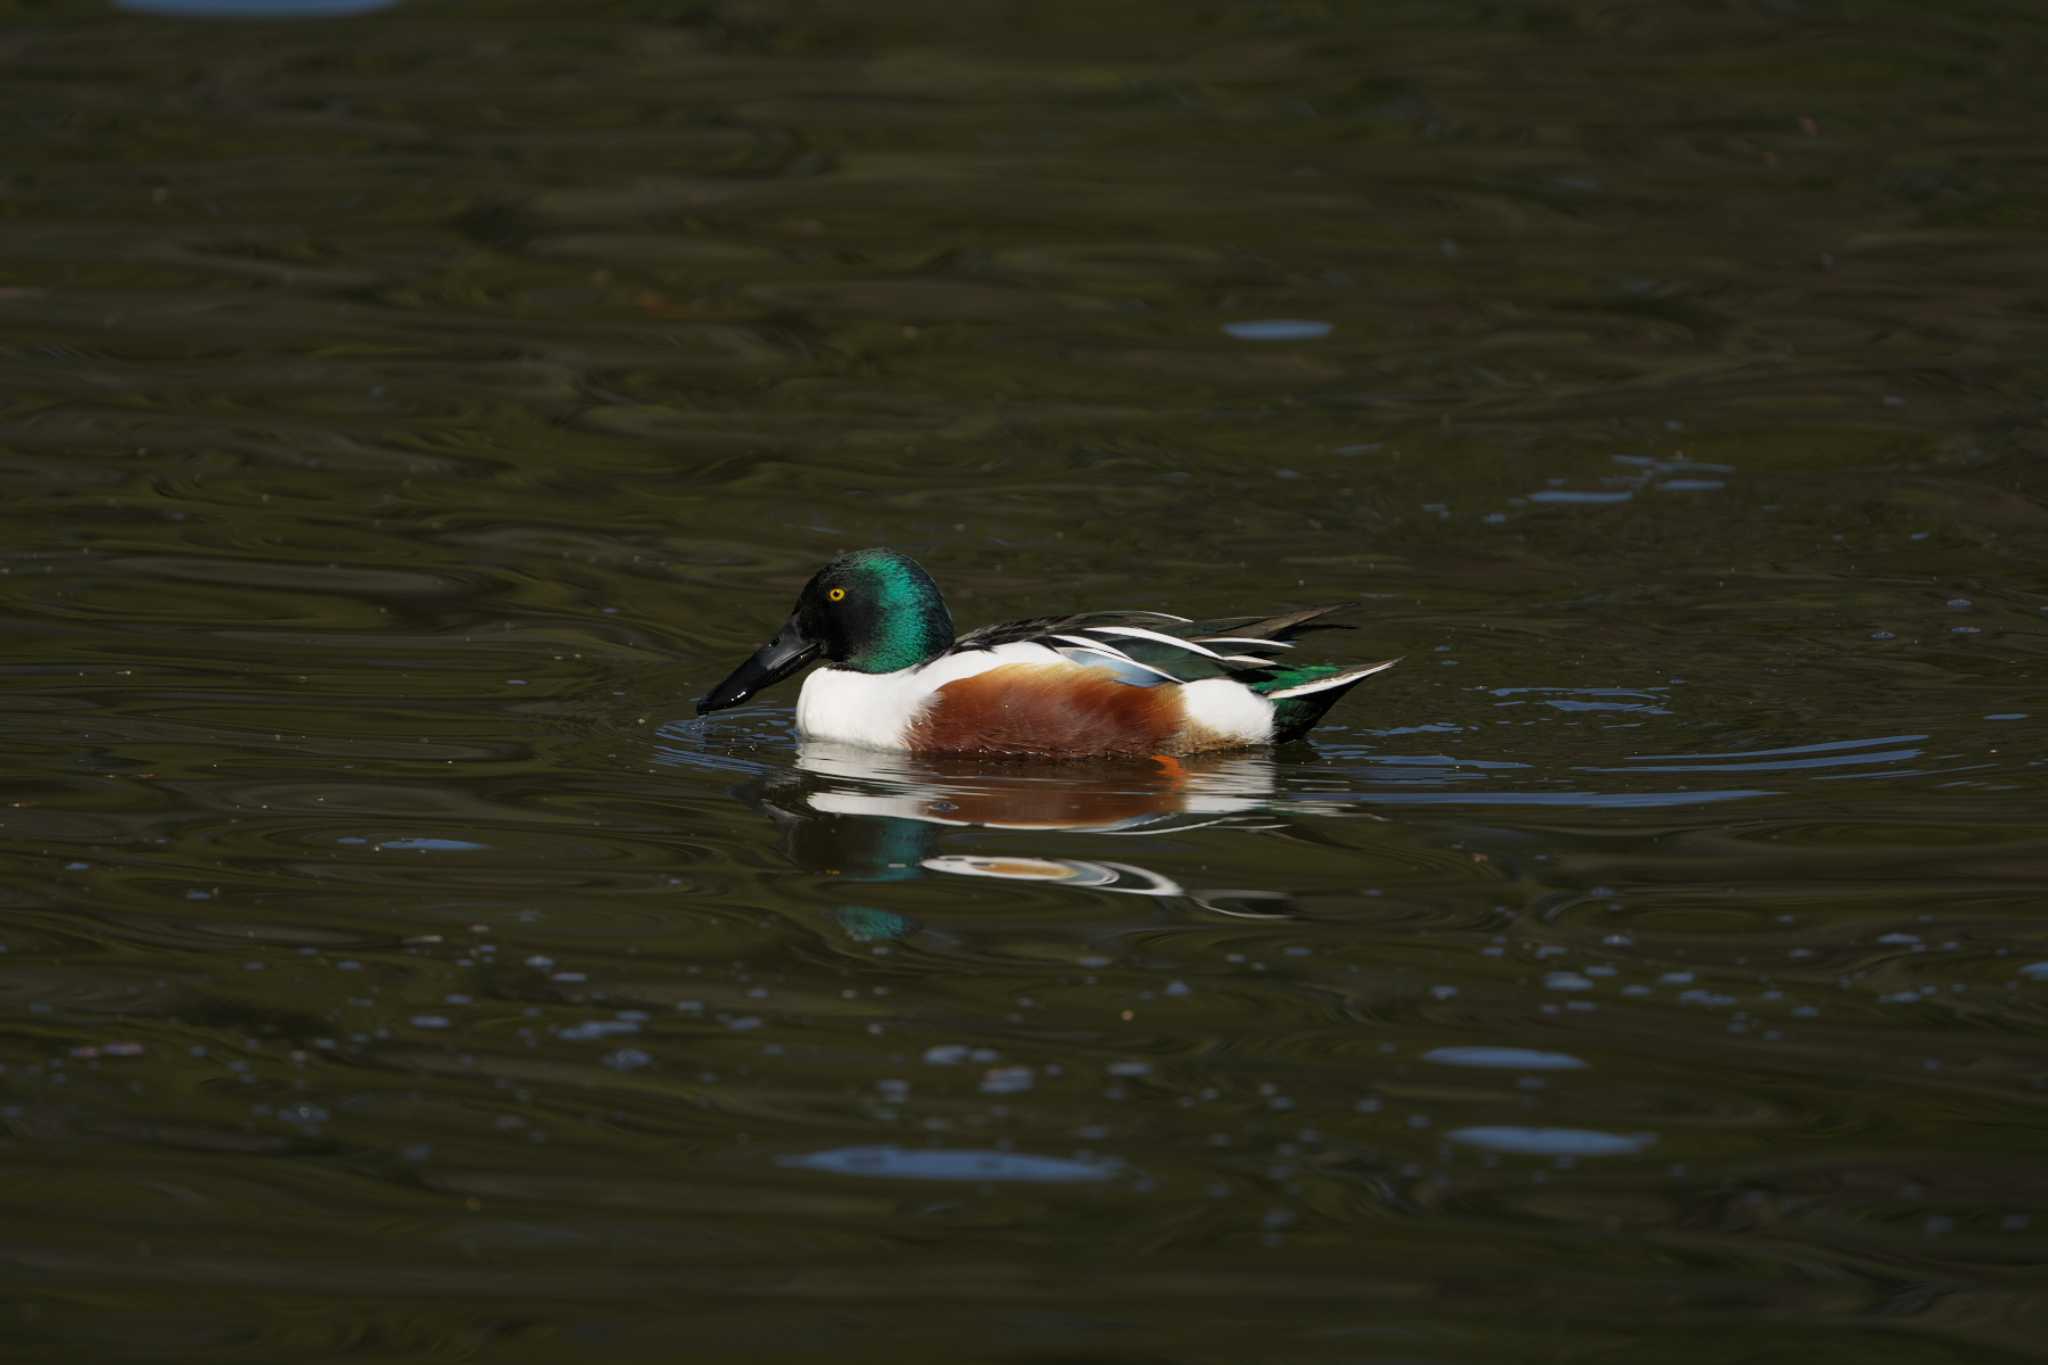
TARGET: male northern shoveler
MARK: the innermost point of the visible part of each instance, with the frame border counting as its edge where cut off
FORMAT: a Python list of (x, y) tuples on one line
[(1098, 683)]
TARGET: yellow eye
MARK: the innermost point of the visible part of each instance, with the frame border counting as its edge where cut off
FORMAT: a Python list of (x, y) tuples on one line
[(837, 594)]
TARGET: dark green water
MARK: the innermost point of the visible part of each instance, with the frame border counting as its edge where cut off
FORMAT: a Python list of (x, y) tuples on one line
[(404, 417)]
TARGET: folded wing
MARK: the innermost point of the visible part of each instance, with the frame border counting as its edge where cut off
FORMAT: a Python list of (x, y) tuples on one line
[(1148, 648)]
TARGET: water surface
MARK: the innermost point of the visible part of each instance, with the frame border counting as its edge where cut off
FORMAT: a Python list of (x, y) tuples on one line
[(407, 414)]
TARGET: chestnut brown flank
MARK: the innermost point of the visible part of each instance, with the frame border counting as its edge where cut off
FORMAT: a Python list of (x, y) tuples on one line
[(1051, 710)]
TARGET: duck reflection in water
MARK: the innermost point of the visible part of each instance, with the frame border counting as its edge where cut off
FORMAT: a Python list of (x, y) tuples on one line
[(877, 816)]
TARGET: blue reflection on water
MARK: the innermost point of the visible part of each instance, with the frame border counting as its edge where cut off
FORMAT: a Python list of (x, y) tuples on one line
[(1554, 1141), (1826, 747), (1279, 329), (1575, 497), (904, 1163)]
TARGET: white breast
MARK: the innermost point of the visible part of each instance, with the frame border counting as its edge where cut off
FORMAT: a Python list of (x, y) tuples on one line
[(876, 710)]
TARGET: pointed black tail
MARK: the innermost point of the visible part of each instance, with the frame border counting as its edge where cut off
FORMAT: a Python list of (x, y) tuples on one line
[(1296, 714)]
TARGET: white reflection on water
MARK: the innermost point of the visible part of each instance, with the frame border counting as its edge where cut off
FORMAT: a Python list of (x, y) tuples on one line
[(1098, 876), (1106, 799), (898, 804)]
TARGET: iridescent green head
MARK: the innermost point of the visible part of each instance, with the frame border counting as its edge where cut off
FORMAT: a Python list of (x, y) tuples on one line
[(872, 611), (875, 611)]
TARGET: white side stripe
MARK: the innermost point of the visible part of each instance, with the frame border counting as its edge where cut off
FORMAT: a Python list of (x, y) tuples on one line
[(1340, 680), (1140, 633), (1099, 646), (1242, 640)]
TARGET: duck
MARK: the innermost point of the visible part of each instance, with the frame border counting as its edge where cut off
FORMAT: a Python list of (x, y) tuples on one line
[(1131, 684)]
